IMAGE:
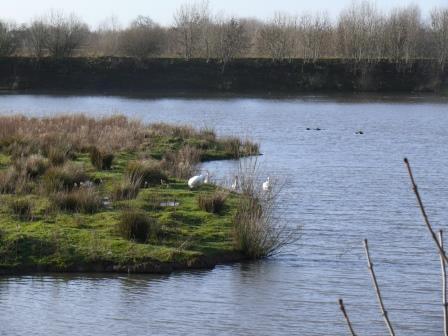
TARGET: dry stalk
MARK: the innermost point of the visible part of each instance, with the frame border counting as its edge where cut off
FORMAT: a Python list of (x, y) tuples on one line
[(423, 211), (444, 289), (347, 319), (377, 290)]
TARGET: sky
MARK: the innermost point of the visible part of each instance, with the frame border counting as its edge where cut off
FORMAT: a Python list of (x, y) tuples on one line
[(95, 11)]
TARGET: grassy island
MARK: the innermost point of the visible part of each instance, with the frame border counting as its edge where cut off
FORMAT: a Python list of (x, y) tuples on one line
[(85, 194)]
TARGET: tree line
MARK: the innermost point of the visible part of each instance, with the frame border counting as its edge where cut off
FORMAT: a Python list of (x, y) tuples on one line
[(360, 32)]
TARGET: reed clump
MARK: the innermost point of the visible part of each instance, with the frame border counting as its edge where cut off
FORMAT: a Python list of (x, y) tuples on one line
[(126, 189), (64, 178), (22, 208), (101, 159), (214, 202), (136, 225), (148, 172), (182, 163), (84, 200)]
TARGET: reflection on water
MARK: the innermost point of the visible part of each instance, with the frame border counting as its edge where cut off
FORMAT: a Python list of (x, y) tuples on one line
[(342, 187)]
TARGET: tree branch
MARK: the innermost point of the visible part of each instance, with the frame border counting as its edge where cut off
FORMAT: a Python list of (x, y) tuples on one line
[(444, 288), (347, 319), (377, 289), (423, 211)]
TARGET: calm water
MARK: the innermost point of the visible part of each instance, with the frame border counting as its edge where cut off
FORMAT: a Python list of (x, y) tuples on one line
[(341, 188)]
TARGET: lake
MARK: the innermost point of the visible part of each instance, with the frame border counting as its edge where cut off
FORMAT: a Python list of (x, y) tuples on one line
[(340, 187)]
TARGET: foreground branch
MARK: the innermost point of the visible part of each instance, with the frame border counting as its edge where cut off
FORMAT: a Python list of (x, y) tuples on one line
[(377, 289), (423, 211), (347, 319), (444, 289)]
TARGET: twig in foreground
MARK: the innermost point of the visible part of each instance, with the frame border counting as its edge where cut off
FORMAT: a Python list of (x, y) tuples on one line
[(347, 319), (444, 293), (377, 289), (423, 211)]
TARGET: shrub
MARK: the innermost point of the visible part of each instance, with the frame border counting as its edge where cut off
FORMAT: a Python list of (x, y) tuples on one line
[(128, 188), (64, 177), (22, 208), (213, 203), (136, 225), (149, 172), (86, 200), (100, 159)]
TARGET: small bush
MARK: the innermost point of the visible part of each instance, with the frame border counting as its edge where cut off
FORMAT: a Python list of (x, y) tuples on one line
[(149, 172), (101, 160), (213, 203), (136, 225), (85, 200), (126, 189), (63, 178), (22, 208)]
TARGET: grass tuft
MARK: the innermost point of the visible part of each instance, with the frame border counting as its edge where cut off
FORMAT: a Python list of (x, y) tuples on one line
[(213, 203), (136, 225), (85, 200), (101, 159)]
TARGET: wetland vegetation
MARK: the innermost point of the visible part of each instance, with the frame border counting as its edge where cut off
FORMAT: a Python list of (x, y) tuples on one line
[(110, 194)]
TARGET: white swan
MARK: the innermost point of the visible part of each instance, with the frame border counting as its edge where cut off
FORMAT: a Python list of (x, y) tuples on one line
[(267, 184), (198, 180), (235, 184)]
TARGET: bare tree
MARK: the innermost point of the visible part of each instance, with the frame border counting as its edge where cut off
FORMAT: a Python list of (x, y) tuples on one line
[(65, 34), (230, 39), (107, 37), (439, 28), (402, 32), (8, 39), (191, 22), (143, 38), (37, 34), (359, 28), (278, 38), (315, 34)]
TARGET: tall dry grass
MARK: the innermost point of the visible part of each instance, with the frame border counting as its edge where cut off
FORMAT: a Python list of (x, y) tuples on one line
[(78, 132), (259, 229)]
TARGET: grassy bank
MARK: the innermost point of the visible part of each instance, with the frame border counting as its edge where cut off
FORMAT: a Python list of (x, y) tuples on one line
[(259, 76), (80, 194)]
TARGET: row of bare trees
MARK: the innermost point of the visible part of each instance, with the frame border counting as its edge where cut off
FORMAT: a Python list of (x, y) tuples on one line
[(361, 32)]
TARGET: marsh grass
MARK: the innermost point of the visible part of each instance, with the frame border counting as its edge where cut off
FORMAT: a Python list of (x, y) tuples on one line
[(101, 159), (21, 208), (85, 200), (182, 163), (126, 189), (214, 202), (64, 178), (137, 225), (149, 172), (259, 229)]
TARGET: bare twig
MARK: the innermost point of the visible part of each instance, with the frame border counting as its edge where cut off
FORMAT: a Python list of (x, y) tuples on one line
[(444, 289), (347, 319), (377, 289), (423, 211)]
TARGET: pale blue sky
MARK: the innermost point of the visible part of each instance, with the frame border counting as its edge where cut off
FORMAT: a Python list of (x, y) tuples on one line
[(94, 11)]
